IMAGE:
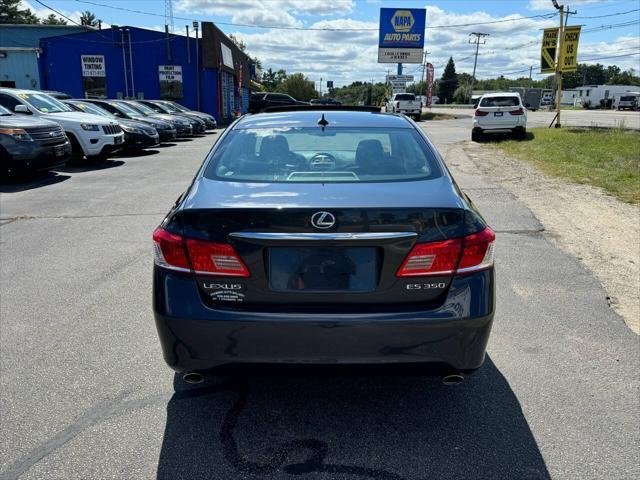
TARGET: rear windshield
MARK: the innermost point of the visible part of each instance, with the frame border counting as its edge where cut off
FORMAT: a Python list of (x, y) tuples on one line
[(123, 107), (628, 98), (406, 96), (143, 108), (500, 102), (90, 108), (316, 156)]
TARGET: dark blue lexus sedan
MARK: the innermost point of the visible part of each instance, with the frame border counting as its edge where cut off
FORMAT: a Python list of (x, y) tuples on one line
[(323, 235)]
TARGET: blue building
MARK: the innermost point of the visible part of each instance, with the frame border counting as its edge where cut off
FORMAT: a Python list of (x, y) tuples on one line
[(129, 62), (20, 49)]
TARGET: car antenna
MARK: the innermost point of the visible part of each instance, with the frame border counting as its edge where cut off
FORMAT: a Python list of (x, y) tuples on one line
[(323, 122)]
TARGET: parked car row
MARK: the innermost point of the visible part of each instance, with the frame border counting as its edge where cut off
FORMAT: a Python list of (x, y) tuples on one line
[(39, 131)]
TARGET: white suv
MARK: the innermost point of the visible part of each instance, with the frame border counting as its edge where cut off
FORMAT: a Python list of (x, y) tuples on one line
[(500, 112), (90, 135)]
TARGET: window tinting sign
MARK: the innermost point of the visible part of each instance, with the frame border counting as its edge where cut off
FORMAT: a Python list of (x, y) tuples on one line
[(93, 65)]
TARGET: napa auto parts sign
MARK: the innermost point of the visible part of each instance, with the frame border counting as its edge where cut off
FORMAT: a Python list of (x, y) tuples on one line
[(401, 35)]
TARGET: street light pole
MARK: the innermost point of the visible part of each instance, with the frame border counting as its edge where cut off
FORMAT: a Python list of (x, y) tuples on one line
[(195, 27)]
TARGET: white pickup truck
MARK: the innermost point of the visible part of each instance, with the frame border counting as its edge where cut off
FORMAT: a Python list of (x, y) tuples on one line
[(90, 135), (405, 103)]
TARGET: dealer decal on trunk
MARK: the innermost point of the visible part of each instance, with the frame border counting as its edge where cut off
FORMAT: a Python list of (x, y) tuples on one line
[(225, 292)]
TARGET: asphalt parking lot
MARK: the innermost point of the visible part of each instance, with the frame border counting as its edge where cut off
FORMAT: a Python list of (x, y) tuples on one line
[(85, 392)]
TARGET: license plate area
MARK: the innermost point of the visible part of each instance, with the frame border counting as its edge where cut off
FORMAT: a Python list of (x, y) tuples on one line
[(324, 269), (58, 150), (497, 114)]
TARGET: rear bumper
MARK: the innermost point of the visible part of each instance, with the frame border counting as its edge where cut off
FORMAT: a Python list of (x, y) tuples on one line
[(195, 337)]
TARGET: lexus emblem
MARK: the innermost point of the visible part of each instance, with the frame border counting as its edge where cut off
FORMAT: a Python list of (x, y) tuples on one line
[(323, 220)]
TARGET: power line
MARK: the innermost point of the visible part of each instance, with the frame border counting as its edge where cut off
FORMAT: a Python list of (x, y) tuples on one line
[(608, 15), (59, 13)]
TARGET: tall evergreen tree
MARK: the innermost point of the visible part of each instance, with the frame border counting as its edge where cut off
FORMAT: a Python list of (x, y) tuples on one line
[(53, 20), (448, 83), (89, 19), (10, 12)]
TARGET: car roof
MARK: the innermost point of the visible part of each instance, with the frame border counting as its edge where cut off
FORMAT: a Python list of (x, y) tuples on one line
[(501, 94), (336, 118)]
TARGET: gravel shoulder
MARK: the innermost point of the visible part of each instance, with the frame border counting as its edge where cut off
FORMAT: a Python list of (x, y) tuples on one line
[(599, 230)]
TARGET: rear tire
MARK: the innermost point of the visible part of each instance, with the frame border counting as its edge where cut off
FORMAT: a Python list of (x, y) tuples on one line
[(520, 133), (476, 135)]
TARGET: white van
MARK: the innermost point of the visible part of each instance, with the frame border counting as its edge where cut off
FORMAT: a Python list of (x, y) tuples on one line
[(90, 135)]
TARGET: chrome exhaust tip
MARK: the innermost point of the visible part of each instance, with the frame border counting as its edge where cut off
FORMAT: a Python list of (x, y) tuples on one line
[(193, 378), (453, 379)]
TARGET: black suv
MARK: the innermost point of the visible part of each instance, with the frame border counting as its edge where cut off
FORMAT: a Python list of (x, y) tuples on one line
[(29, 144), (261, 100)]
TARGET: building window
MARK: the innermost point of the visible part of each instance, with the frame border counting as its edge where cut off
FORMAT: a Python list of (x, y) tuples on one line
[(588, 92), (94, 87)]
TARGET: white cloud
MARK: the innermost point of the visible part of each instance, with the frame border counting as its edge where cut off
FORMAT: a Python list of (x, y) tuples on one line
[(273, 12)]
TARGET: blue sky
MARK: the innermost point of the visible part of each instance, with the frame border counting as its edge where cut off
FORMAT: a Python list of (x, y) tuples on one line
[(345, 56)]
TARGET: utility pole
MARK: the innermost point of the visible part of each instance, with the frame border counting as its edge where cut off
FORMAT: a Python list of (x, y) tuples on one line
[(477, 43), (564, 18), (424, 71)]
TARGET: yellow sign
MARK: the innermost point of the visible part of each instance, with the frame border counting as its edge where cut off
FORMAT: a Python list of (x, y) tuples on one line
[(548, 52), (569, 54), (402, 21)]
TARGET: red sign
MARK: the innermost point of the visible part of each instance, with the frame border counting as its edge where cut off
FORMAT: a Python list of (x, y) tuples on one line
[(430, 73)]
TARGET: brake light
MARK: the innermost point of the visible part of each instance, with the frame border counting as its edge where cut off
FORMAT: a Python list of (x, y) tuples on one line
[(175, 253), (169, 250), (471, 253), (478, 251), (480, 113), (519, 111), (434, 258), (215, 259)]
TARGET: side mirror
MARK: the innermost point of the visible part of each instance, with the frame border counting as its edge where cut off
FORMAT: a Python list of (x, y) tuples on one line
[(22, 109)]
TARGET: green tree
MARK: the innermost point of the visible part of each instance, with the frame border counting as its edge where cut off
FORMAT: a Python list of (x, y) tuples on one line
[(462, 94), (89, 19), (53, 20), (448, 83), (271, 80), (10, 12), (298, 86)]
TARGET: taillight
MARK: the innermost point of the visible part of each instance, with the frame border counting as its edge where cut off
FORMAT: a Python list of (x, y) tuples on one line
[(480, 113), (435, 258), (477, 251), (471, 253), (215, 259), (519, 111), (198, 255), (169, 250)]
